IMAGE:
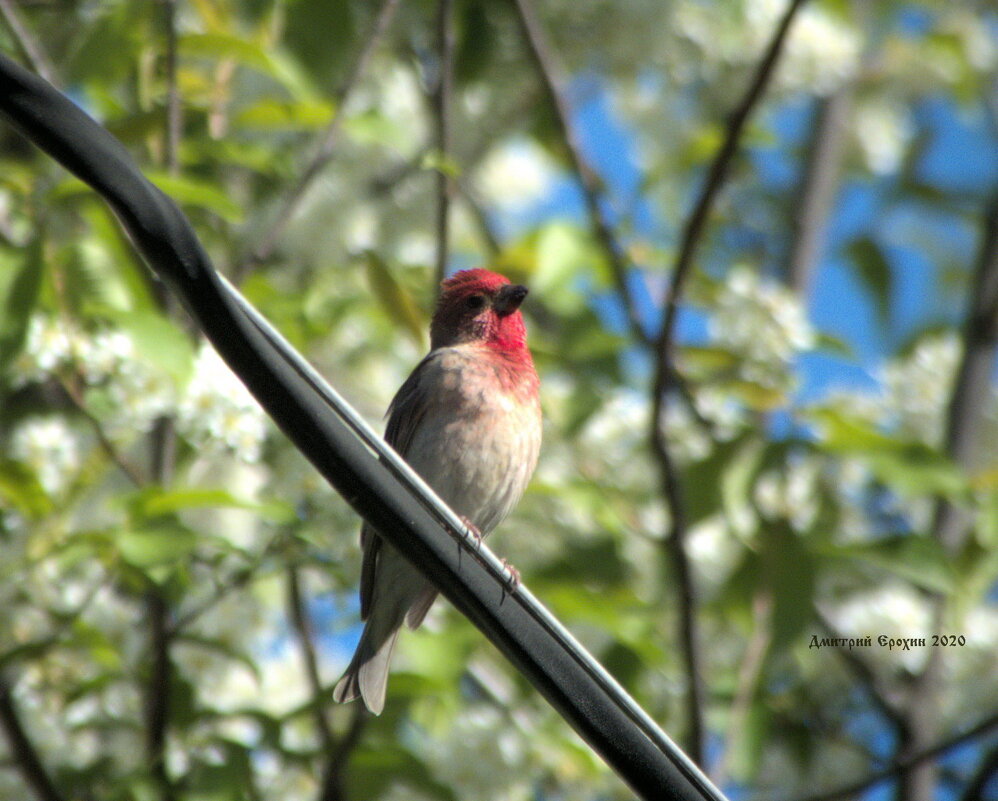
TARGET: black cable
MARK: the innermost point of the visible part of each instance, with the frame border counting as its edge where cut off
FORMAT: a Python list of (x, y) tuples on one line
[(300, 403)]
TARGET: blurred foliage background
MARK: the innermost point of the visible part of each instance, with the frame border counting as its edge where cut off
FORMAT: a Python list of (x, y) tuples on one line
[(178, 587)]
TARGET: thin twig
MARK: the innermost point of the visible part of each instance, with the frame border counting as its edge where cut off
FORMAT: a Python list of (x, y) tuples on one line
[(665, 375), (32, 50), (753, 661), (902, 766), (25, 757), (267, 243), (158, 692), (236, 581), (306, 644), (554, 83), (174, 109), (163, 446), (716, 177), (881, 696), (129, 470), (441, 101)]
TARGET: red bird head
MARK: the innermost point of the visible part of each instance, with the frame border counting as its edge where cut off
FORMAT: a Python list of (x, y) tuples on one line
[(479, 306)]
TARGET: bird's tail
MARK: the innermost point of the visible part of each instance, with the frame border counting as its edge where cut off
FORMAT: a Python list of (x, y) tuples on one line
[(367, 675)]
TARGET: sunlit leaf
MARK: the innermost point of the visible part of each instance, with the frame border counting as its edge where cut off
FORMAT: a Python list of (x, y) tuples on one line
[(198, 194), (158, 341), (156, 544), (270, 113), (919, 559), (20, 489), (153, 502)]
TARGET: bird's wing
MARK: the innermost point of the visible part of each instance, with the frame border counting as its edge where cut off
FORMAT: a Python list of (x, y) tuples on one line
[(405, 413)]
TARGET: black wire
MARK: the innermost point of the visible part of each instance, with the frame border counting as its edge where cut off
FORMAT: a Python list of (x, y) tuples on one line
[(526, 634)]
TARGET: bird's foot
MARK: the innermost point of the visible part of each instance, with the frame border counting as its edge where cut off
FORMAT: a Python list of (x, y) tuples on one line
[(512, 581), (476, 535)]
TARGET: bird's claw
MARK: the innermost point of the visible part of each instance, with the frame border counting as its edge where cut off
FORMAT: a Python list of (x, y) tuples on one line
[(476, 535), (513, 581)]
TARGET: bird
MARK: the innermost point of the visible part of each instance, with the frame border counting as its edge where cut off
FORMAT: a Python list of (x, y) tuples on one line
[(468, 421)]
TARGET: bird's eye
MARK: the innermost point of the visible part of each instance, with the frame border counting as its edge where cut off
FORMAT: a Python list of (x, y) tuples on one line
[(475, 302)]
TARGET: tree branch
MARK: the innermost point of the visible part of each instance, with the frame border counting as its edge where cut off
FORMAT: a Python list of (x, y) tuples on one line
[(554, 83), (665, 377), (441, 102), (267, 242), (716, 176), (903, 766), (973, 379), (332, 778), (818, 188), (306, 644), (33, 52), (964, 416), (25, 757), (174, 110)]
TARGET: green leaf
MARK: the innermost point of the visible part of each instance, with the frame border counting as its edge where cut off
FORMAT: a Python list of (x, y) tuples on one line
[(162, 543), (788, 571), (910, 468), (321, 35), (703, 483), (268, 61), (874, 270), (20, 489), (273, 114), (707, 359), (153, 502), (753, 735), (157, 340), (21, 300), (441, 162), (835, 346), (918, 559), (738, 477), (591, 561), (397, 303), (198, 194)]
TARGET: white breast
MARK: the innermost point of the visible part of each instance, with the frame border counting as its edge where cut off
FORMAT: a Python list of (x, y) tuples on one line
[(477, 445)]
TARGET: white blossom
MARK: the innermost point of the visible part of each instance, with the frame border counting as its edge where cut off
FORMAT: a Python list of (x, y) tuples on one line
[(51, 448), (790, 494), (516, 173), (883, 130), (764, 324), (217, 412), (48, 347), (918, 387)]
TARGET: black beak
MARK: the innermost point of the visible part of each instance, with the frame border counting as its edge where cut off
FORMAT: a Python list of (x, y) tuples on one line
[(509, 298)]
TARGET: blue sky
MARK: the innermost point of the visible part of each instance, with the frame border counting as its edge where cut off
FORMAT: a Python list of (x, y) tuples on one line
[(960, 157)]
